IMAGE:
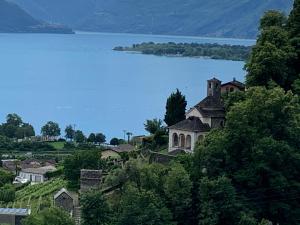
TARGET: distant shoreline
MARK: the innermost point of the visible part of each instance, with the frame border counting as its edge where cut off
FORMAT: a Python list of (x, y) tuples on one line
[(194, 50)]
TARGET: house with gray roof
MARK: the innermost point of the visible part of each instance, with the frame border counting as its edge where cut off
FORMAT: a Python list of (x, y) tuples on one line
[(36, 175), (232, 86), (65, 200), (13, 216), (200, 119)]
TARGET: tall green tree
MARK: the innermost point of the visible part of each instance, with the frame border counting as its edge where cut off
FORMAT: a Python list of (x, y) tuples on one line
[(51, 129), (26, 130), (95, 209), (142, 207), (79, 136), (294, 20), (69, 132), (218, 203), (178, 190), (271, 56), (100, 138), (114, 141), (253, 150), (14, 119), (92, 138), (175, 108), (294, 33)]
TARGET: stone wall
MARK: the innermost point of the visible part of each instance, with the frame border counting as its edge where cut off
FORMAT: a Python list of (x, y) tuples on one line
[(90, 179)]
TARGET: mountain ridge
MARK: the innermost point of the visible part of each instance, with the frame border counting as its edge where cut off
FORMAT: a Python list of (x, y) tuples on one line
[(13, 19), (217, 18)]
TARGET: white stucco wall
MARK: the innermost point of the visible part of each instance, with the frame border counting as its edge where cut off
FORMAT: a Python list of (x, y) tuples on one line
[(36, 178), (194, 139)]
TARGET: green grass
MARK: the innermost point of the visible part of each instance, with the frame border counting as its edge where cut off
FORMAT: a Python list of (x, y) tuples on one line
[(34, 195), (57, 145)]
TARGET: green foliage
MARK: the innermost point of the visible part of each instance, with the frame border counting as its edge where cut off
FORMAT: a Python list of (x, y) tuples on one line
[(7, 144), (95, 209), (79, 136), (175, 108), (177, 188), (253, 150), (69, 132), (142, 207), (100, 138), (57, 173), (273, 18), (114, 141), (50, 129), (214, 51), (276, 56), (81, 160), (7, 193), (50, 216), (5, 177), (153, 126), (16, 128), (92, 138), (293, 21), (217, 201), (231, 98)]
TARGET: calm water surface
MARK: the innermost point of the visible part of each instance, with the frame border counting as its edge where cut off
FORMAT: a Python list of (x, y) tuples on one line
[(78, 79)]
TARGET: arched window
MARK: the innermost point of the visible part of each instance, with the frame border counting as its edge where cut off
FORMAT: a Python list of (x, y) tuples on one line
[(200, 138), (182, 140), (175, 140), (188, 142), (231, 89)]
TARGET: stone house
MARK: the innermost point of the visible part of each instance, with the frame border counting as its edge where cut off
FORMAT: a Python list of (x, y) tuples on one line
[(36, 175), (232, 86), (13, 216), (63, 199), (90, 179), (200, 119)]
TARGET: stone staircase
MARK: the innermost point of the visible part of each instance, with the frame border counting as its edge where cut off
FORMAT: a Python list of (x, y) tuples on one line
[(77, 215)]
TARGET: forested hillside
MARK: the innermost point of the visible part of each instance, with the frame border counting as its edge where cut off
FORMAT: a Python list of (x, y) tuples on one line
[(221, 18), (15, 19)]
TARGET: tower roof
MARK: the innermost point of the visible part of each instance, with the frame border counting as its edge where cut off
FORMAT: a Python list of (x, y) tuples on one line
[(215, 79)]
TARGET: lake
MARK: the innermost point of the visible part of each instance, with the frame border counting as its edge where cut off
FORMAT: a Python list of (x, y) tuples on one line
[(78, 79)]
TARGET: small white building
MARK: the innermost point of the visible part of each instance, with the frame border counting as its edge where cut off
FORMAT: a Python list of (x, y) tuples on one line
[(36, 175), (206, 115)]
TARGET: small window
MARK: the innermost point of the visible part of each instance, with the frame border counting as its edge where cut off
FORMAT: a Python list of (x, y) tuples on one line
[(222, 123), (231, 89)]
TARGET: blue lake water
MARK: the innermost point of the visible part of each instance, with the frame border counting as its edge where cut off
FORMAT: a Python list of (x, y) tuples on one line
[(78, 79)]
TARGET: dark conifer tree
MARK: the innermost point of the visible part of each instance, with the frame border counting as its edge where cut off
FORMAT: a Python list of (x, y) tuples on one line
[(175, 108)]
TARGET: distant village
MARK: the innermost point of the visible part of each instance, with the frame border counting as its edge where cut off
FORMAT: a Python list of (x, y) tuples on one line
[(28, 169)]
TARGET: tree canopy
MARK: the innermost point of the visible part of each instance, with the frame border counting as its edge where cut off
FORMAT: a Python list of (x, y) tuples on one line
[(50, 216), (175, 108), (51, 129)]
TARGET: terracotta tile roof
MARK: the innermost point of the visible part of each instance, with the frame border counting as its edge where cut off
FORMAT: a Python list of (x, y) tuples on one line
[(236, 83)]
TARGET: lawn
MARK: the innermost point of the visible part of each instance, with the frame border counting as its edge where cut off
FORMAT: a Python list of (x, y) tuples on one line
[(59, 145)]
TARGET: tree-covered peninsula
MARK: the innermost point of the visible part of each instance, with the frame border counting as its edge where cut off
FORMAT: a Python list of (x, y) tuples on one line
[(214, 51)]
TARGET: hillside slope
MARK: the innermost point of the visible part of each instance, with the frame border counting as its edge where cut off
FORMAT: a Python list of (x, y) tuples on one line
[(220, 18), (14, 19)]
